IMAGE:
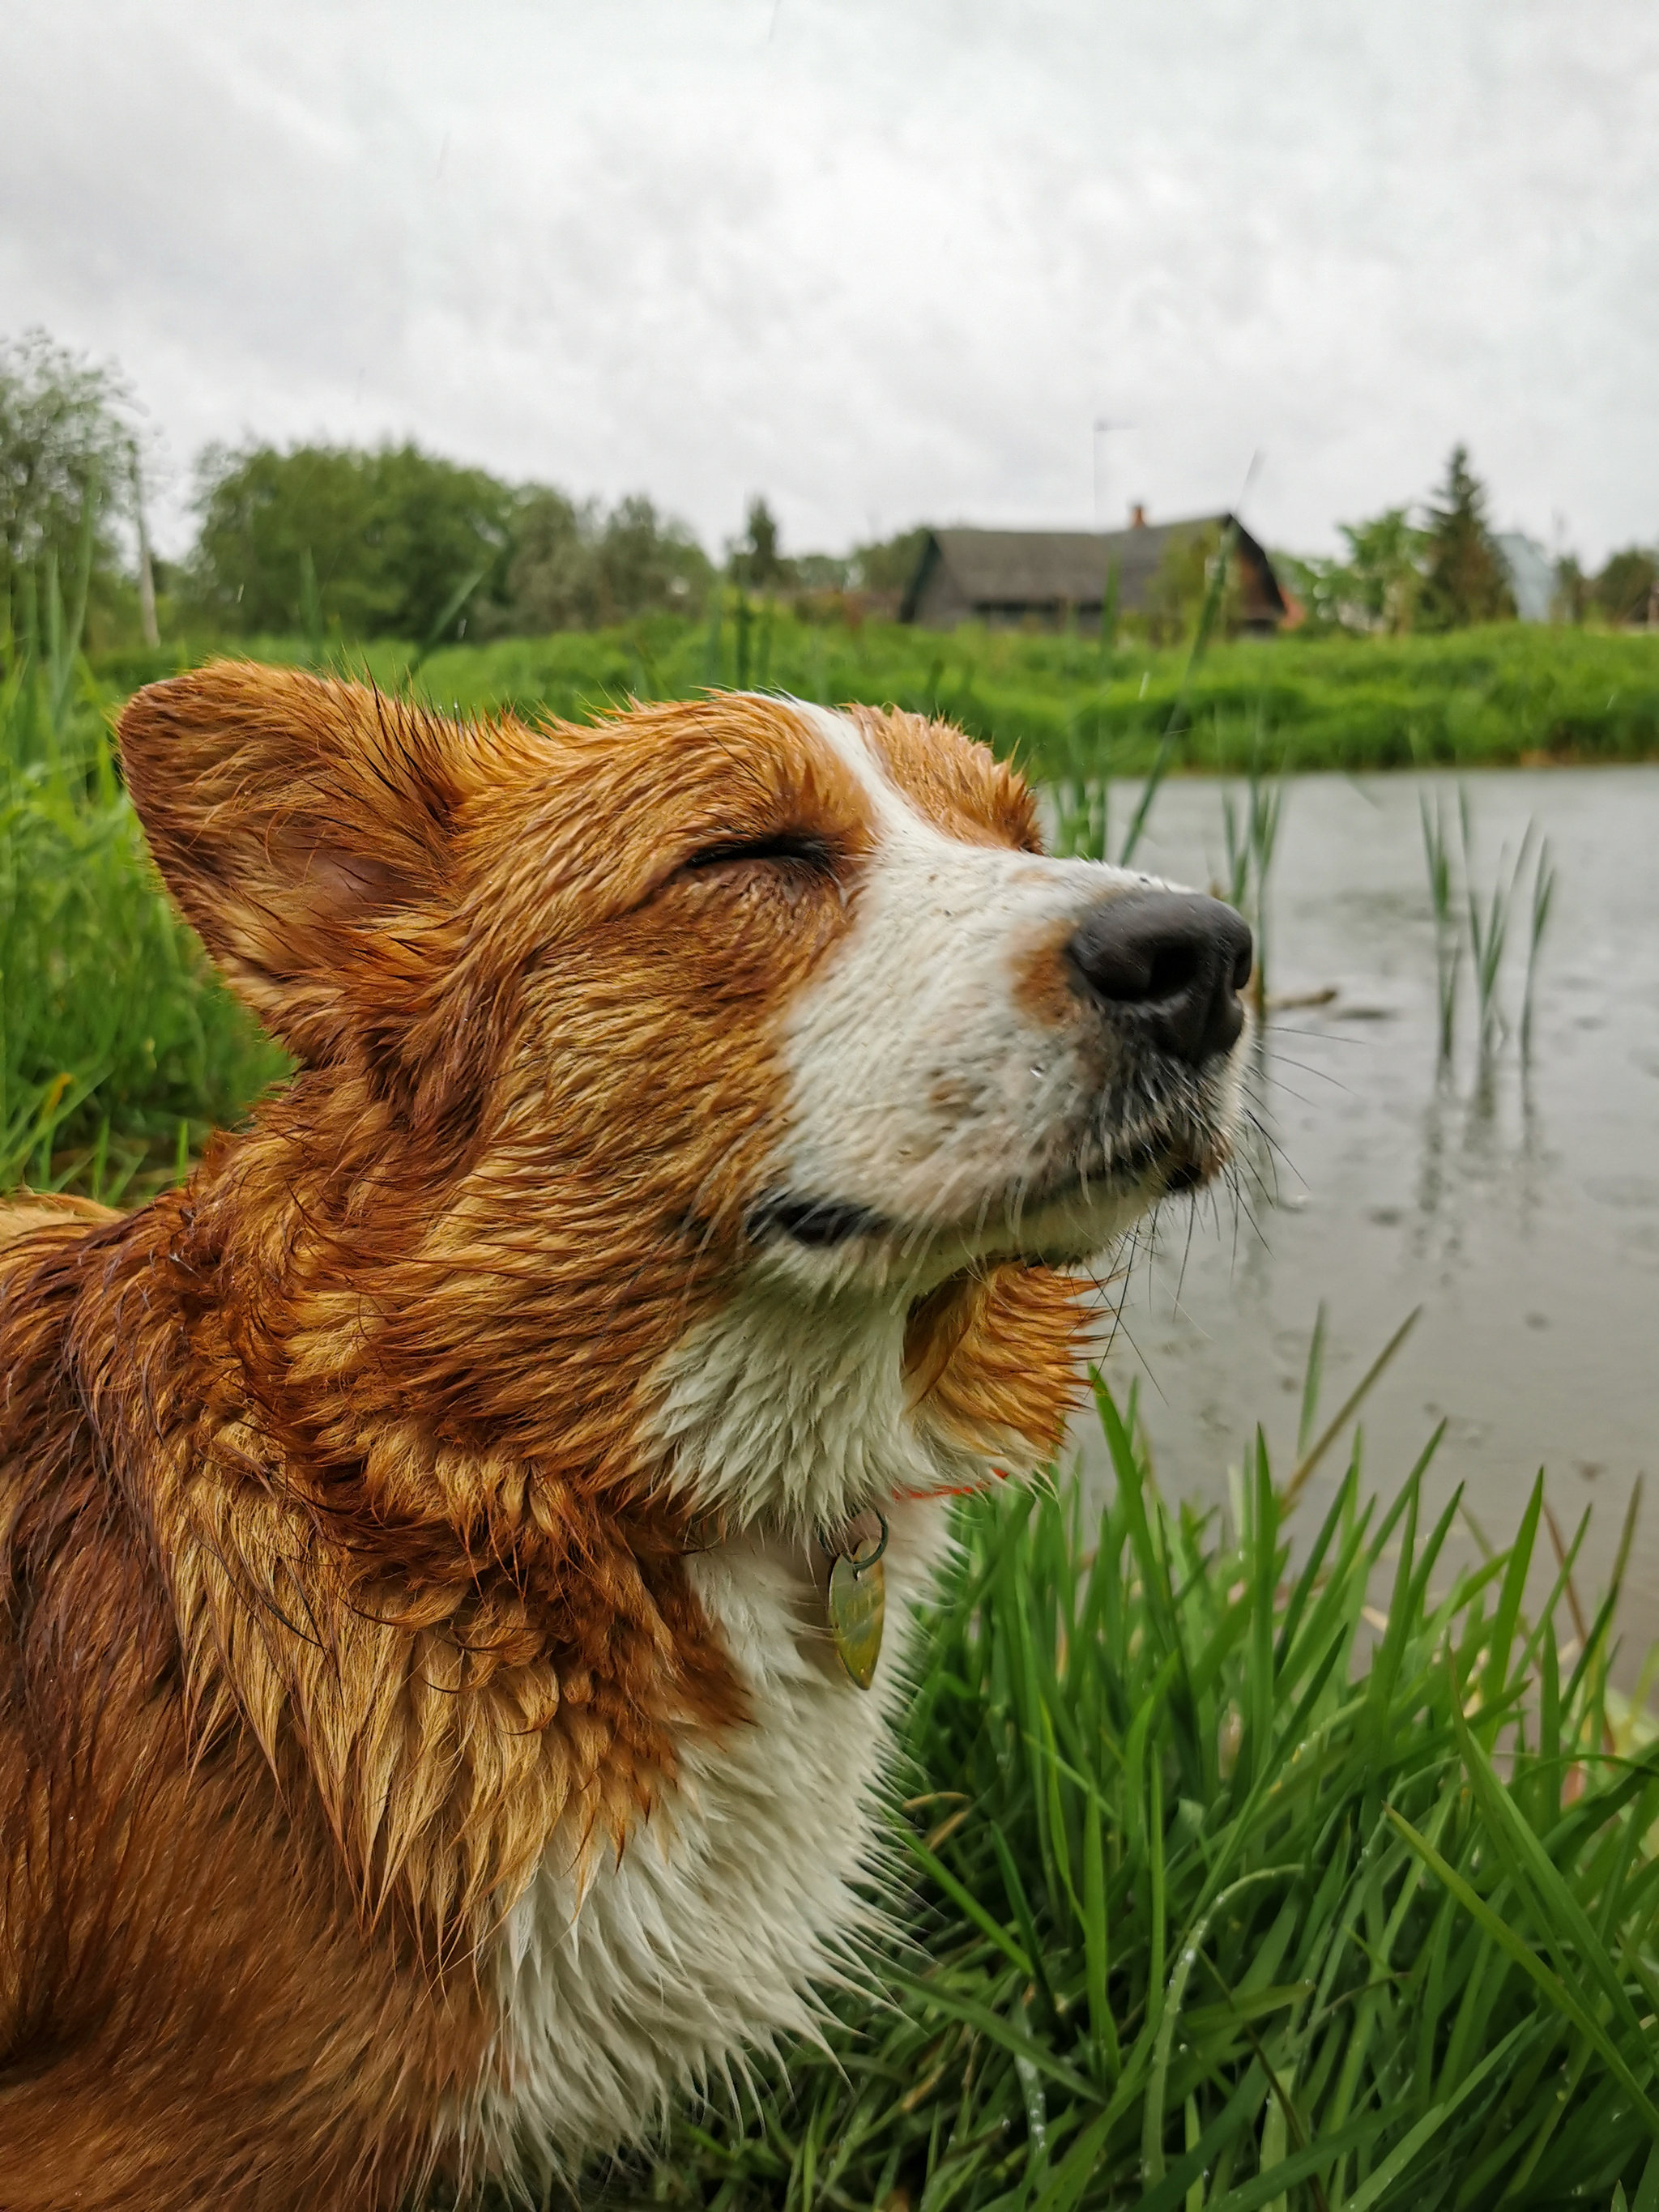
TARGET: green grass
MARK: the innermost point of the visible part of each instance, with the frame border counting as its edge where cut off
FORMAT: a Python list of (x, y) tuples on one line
[(119, 1046), (1475, 697), (1232, 1884)]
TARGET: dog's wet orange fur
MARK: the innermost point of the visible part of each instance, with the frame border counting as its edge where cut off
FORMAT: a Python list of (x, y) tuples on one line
[(338, 1588), (950, 782)]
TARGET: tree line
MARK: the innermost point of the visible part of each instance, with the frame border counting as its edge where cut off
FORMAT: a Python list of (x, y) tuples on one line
[(398, 543), (346, 541), (1446, 571), (355, 543)]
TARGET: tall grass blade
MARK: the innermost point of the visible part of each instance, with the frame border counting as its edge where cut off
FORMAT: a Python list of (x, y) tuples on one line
[(1308, 1464)]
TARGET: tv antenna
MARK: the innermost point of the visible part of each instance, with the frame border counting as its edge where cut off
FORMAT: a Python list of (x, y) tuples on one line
[(1250, 476), (1103, 424)]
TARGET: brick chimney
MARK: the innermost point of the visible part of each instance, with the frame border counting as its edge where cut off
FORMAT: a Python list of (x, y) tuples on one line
[(1137, 516)]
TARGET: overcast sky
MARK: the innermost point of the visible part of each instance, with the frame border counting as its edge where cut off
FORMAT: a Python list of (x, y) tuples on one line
[(883, 260)]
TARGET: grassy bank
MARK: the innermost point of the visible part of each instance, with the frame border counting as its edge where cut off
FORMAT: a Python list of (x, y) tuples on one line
[(119, 1046), (1477, 697), (1228, 1888)]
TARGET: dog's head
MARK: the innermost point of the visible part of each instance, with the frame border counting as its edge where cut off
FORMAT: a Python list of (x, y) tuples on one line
[(709, 1029)]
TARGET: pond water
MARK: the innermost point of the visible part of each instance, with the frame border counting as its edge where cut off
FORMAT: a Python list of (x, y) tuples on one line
[(1517, 1204)]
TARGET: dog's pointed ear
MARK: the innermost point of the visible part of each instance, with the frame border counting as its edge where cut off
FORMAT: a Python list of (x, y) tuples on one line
[(306, 829)]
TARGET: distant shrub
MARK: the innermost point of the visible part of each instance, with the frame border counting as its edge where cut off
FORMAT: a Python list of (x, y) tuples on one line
[(1627, 589), (366, 544)]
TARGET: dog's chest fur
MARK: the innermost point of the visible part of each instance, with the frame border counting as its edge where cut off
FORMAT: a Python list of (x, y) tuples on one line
[(622, 1981)]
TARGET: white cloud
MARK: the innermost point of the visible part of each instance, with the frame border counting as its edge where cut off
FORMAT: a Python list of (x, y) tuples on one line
[(884, 262)]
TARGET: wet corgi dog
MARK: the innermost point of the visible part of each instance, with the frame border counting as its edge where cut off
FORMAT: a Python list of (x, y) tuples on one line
[(428, 1732)]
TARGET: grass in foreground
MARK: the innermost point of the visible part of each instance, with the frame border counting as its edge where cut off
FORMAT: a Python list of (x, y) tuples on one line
[(1224, 1896)]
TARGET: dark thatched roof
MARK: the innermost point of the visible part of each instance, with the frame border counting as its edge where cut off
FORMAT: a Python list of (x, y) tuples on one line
[(1040, 569)]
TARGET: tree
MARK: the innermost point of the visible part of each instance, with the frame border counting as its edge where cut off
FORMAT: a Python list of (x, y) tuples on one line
[(888, 564), (552, 580), (1384, 569), (389, 537), (571, 567), (646, 563), (1375, 589), (820, 572), (1180, 584), (1464, 579), (1627, 589), (69, 459), (1570, 601), (757, 563)]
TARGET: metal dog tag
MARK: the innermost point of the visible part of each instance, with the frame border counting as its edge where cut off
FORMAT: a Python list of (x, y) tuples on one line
[(858, 1608)]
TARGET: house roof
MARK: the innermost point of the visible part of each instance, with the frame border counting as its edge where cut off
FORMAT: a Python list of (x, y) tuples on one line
[(1043, 567)]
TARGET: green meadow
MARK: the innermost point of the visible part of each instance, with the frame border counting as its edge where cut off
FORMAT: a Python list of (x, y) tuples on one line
[(119, 1046), (1058, 704)]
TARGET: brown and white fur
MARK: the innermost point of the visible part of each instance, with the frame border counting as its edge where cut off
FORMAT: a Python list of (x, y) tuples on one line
[(420, 1749)]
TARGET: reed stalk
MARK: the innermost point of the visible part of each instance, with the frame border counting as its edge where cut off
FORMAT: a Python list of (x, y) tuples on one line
[(1179, 717), (1488, 926), (1538, 917), (1251, 839), (1448, 939)]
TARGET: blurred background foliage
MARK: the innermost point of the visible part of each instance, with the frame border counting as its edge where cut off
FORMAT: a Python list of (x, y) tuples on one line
[(70, 462), (341, 545), (372, 544)]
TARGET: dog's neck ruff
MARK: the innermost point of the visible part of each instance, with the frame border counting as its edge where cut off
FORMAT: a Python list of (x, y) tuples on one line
[(791, 1412)]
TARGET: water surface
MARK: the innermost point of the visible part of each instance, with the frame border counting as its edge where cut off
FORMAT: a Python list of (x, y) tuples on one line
[(1517, 1202)]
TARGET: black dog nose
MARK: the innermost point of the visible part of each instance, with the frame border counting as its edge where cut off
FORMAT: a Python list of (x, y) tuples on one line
[(1175, 960)]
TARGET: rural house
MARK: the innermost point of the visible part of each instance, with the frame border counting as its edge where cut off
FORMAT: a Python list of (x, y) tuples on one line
[(1045, 578)]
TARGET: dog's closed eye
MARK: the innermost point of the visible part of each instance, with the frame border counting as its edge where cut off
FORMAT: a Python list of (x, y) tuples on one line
[(790, 849)]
